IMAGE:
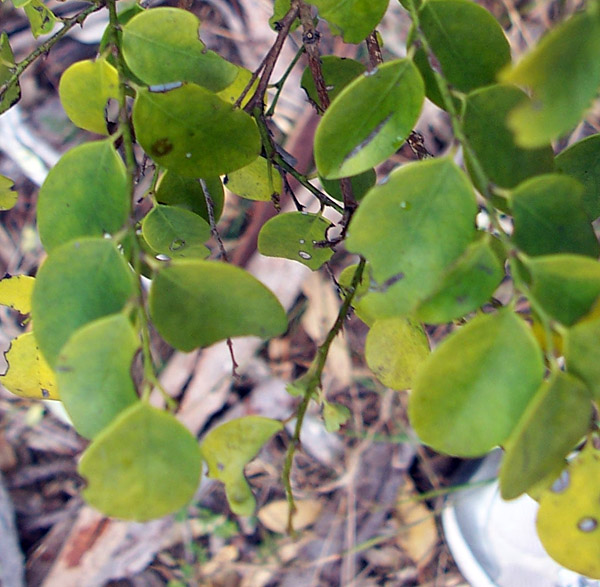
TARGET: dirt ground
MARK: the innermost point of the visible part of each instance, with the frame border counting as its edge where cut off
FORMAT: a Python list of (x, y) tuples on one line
[(364, 518)]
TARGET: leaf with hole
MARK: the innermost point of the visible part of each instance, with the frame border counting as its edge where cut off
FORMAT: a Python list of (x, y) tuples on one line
[(191, 131), (12, 94), (535, 450), (228, 448), (257, 181), (565, 285), (93, 371), (563, 72), (360, 184), (85, 194), (473, 389), (189, 309), (16, 291), (549, 217), (79, 282), (337, 72), (395, 349), (161, 46), (582, 161), (41, 18), (176, 232), (468, 284), (369, 120), (568, 521), (187, 193), (84, 90), (144, 465), (467, 41), (295, 235), (504, 162), (28, 374), (355, 19), (397, 229)]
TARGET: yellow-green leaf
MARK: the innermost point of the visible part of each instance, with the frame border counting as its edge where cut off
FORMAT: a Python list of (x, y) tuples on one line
[(8, 194), (257, 181), (16, 291)]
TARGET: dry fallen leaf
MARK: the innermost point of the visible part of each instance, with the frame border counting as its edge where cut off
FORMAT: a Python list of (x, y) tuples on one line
[(274, 515)]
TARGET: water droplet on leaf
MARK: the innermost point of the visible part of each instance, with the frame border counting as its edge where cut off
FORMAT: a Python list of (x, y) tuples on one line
[(305, 255), (587, 524)]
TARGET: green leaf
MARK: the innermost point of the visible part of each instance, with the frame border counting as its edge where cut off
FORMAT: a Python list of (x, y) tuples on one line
[(161, 46), (369, 120), (84, 89), (568, 520), (8, 194), (280, 9), (361, 184), (197, 303), (395, 349), (335, 415), (504, 162), (257, 181), (12, 94), (228, 448), (145, 465), (582, 353), (337, 72), (467, 41), (79, 282), (28, 374), (354, 18), (41, 18), (345, 281), (563, 72), (192, 132), (293, 235), (467, 285), (233, 91), (93, 371), (85, 194), (187, 193), (549, 217), (555, 420), (582, 161), (15, 292), (397, 229), (474, 388), (565, 285), (176, 232)]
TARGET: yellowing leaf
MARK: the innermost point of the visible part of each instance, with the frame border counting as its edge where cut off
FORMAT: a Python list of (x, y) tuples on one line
[(28, 374), (274, 515), (8, 195), (257, 181), (15, 292)]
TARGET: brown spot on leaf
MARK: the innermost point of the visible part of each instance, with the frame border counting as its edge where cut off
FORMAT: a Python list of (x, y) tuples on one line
[(161, 147)]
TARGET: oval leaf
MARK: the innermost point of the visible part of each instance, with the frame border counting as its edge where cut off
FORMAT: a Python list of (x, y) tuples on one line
[(467, 285), (79, 282), (369, 120), (505, 163), (355, 19), (293, 235), (582, 161), (175, 232), (228, 448), (84, 89), (535, 449), (194, 133), (474, 388), (565, 285), (85, 194), (397, 229), (93, 371), (563, 72), (161, 46), (28, 374), (197, 303), (549, 217), (467, 41), (395, 349), (145, 465), (15, 292), (582, 353), (187, 193), (257, 181), (568, 521)]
